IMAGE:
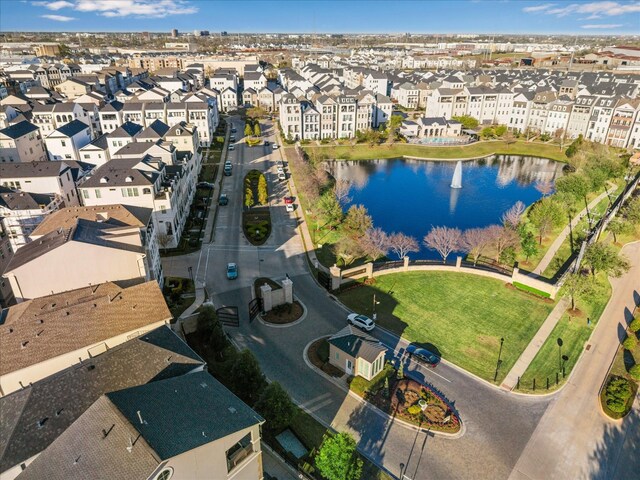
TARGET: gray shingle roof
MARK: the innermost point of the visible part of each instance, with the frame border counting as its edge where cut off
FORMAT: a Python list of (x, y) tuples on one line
[(19, 129), (357, 344), (72, 128)]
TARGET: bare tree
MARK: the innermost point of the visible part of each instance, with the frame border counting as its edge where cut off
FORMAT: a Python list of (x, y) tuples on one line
[(375, 243), (347, 250), (501, 239), (164, 240), (545, 187), (474, 241), (444, 240), (511, 218), (402, 244), (341, 190)]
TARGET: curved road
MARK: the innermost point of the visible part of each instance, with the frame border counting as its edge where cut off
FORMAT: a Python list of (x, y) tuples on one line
[(499, 425)]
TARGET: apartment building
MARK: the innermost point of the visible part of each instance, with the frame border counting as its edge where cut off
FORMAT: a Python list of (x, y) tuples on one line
[(65, 142), (408, 95), (21, 142), (622, 121), (21, 212)]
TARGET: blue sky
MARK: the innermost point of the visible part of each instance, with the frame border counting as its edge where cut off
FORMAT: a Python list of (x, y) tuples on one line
[(348, 16)]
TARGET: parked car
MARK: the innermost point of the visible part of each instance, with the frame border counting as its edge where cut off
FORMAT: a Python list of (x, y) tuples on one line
[(289, 207), (223, 200), (282, 176), (361, 321), (232, 147), (232, 271), (227, 163), (288, 200), (275, 146), (227, 170), (266, 143), (234, 130), (232, 138), (204, 185), (280, 170), (423, 356)]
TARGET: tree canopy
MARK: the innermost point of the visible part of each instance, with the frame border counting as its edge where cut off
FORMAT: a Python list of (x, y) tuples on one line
[(337, 458)]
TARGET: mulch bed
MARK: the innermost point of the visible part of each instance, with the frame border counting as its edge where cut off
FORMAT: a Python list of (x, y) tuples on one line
[(407, 393), (325, 366), (284, 314)]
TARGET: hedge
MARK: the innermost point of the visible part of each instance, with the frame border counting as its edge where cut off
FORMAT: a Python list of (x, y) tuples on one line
[(528, 289)]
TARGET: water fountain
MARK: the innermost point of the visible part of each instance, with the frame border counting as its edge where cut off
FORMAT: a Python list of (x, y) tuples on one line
[(456, 181)]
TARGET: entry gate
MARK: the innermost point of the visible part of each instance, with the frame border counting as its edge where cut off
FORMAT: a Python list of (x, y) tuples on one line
[(324, 279), (228, 316), (255, 307)]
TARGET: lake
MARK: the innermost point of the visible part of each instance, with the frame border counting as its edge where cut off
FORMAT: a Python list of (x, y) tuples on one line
[(411, 196)]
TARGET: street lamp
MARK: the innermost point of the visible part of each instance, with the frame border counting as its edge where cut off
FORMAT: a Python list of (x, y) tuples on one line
[(375, 302), (499, 363), (559, 342), (191, 274)]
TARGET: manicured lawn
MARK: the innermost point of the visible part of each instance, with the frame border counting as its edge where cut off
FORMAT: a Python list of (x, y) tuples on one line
[(479, 149), (574, 332), (462, 316)]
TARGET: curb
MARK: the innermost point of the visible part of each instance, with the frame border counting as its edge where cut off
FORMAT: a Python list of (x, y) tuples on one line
[(286, 325), (375, 409)]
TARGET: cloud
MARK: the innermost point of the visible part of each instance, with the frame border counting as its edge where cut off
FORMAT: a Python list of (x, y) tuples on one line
[(54, 5), (608, 26), (142, 8), (538, 8), (58, 18), (595, 9)]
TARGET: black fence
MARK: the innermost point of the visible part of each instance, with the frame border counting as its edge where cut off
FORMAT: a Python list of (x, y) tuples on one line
[(377, 266)]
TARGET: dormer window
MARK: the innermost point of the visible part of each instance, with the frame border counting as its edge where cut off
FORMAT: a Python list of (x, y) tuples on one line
[(104, 180), (128, 179)]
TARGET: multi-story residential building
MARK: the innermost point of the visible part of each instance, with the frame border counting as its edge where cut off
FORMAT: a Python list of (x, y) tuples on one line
[(73, 88), (221, 81), (146, 182), (33, 354), (96, 152), (376, 82), (111, 116), (21, 142), (540, 110), (408, 95), (228, 99), (65, 142), (558, 117), (254, 80), (580, 116), (156, 355), (620, 128), (519, 117), (21, 212), (601, 115), (123, 135)]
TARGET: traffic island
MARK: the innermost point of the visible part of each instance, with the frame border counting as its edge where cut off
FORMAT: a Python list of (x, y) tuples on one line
[(318, 355), (256, 218), (277, 306)]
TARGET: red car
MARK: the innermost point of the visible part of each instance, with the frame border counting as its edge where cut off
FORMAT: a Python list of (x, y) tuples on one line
[(288, 200)]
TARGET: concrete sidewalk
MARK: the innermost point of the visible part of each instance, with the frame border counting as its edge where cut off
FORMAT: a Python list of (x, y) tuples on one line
[(557, 243), (535, 345)]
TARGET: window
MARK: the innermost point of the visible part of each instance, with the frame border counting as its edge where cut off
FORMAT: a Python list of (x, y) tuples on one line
[(129, 192), (239, 452), (85, 194), (165, 474), (64, 144), (98, 193)]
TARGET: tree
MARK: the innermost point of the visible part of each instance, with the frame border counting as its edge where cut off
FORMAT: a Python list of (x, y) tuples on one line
[(263, 196), (545, 215), (347, 249), (248, 198), (509, 138), (357, 221), (256, 130), (474, 241), (634, 326), (487, 132), (632, 210), (576, 185), (256, 112), (248, 131), (444, 240), (247, 380), (630, 342), (501, 239), (500, 130), (467, 121), (402, 244), (330, 209), (618, 226), (604, 258), (576, 284), (529, 245), (635, 371), (164, 240), (341, 190), (511, 218), (375, 243), (337, 458), (276, 407), (393, 126), (545, 187)]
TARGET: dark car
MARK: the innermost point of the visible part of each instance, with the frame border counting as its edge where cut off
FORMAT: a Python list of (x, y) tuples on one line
[(233, 130), (205, 185), (223, 200), (266, 143), (423, 356)]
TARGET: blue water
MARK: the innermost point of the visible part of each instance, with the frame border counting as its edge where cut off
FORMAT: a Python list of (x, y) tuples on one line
[(411, 196)]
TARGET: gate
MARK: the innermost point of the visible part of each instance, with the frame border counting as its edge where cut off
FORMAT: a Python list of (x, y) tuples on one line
[(228, 316), (324, 279), (255, 307)]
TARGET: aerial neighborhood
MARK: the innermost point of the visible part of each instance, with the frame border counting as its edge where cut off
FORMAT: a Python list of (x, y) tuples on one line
[(319, 256)]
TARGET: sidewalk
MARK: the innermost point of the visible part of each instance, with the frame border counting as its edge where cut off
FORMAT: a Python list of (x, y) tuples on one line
[(521, 365), (557, 243), (217, 187)]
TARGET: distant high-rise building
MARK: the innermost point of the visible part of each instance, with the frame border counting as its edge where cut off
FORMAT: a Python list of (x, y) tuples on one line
[(174, 33), (224, 34), (146, 35)]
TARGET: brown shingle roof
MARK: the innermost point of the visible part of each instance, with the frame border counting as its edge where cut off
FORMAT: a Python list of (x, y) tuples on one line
[(46, 327)]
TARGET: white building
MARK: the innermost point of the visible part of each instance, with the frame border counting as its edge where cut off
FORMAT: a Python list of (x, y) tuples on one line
[(64, 143)]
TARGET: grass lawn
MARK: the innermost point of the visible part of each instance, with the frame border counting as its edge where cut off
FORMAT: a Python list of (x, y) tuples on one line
[(574, 332), (462, 316), (479, 149)]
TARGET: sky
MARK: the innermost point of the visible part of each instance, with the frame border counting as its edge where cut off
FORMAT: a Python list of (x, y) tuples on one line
[(310, 16)]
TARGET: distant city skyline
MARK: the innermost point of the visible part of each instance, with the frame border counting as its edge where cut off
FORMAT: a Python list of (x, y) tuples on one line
[(355, 16)]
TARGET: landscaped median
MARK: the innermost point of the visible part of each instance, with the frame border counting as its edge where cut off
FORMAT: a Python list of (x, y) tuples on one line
[(474, 150), (256, 218), (461, 317)]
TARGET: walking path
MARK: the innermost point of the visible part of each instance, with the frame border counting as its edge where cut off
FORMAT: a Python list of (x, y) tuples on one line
[(557, 243), (521, 365)]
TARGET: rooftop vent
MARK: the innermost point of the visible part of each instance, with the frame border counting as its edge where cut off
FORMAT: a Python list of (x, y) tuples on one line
[(104, 179), (232, 410), (128, 179)]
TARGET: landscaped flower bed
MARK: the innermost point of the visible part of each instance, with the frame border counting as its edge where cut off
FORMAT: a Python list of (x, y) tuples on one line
[(410, 401)]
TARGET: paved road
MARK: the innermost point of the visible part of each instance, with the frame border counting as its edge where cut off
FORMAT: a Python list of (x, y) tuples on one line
[(574, 437), (498, 424)]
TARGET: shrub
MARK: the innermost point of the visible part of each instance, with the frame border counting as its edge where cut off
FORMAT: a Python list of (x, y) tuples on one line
[(630, 342), (635, 325), (635, 371), (414, 410), (617, 394)]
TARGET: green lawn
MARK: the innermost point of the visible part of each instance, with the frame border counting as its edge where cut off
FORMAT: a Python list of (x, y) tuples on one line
[(461, 315), (574, 332), (479, 149)]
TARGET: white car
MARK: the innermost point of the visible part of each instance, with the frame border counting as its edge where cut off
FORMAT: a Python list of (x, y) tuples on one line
[(232, 147), (282, 176), (280, 170), (275, 147), (289, 207), (361, 321)]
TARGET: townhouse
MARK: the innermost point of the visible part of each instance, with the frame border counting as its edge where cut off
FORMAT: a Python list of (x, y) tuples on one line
[(65, 142), (22, 142), (21, 212)]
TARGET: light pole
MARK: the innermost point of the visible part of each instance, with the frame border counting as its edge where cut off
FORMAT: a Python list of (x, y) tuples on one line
[(191, 274), (495, 377), (559, 341), (375, 302)]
